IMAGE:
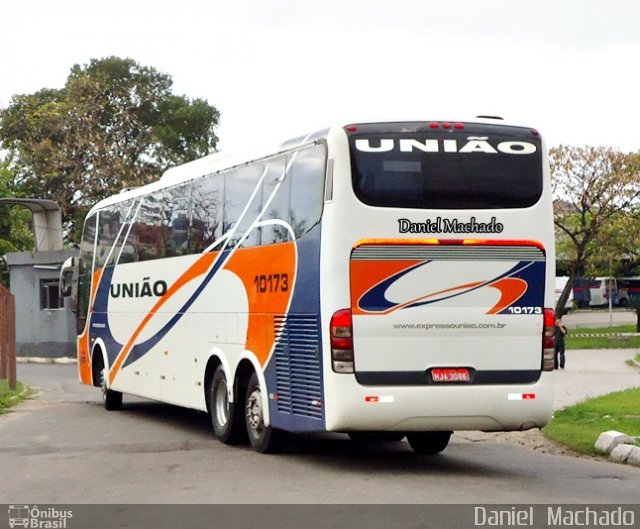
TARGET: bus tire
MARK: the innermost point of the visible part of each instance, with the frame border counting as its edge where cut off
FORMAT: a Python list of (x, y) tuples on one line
[(429, 443), (112, 400), (226, 416), (264, 439)]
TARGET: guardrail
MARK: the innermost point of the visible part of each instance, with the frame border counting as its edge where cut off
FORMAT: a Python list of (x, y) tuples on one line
[(7, 337)]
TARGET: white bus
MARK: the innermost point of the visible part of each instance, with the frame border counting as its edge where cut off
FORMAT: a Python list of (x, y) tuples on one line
[(394, 278)]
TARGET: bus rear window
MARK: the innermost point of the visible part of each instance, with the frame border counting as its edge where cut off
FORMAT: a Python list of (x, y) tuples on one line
[(484, 167)]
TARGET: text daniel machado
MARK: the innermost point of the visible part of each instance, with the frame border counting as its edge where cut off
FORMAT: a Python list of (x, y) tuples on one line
[(561, 516)]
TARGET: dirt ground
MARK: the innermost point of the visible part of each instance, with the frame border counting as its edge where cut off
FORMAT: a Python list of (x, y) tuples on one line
[(530, 439)]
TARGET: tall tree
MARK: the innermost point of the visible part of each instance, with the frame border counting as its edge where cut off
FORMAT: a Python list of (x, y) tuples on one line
[(115, 124), (595, 187), (15, 231)]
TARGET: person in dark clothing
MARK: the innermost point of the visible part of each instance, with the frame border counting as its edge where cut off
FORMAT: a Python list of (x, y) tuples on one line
[(561, 331)]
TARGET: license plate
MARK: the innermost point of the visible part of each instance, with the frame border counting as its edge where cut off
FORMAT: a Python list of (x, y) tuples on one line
[(450, 375)]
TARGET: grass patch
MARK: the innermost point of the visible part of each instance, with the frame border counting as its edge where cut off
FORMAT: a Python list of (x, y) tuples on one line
[(603, 342), (579, 426), (9, 398)]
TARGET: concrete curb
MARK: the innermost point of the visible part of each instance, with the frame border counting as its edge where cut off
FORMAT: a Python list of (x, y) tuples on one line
[(621, 448), (45, 360)]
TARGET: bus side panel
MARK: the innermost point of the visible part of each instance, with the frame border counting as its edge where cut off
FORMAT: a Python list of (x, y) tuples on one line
[(294, 372)]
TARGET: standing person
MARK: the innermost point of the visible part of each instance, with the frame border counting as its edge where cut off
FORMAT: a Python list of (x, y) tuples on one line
[(561, 331)]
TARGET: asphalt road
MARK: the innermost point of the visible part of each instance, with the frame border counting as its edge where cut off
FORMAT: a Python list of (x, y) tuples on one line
[(63, 447)]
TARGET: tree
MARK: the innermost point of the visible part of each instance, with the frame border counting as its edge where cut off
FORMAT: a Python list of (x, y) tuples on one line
[(15, 233), (115, 124), (596, 189)]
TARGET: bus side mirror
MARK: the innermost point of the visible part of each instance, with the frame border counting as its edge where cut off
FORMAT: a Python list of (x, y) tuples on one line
[(66, 277)]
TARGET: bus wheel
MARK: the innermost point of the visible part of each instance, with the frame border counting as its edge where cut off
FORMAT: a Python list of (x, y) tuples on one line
[(226, 416), (263, 439), (429, 443), (112, 400)]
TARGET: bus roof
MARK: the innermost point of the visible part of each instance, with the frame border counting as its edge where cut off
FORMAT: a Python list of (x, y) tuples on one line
[(220, 161)]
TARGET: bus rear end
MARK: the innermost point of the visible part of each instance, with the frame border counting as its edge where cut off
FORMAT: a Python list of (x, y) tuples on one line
[(441, 318)]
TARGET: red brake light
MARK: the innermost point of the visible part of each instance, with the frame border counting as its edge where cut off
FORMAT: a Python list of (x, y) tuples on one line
[(342, 330), (548, 340), (341, 336)]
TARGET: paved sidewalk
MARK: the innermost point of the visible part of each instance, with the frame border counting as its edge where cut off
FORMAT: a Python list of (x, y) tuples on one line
[(592, 372)]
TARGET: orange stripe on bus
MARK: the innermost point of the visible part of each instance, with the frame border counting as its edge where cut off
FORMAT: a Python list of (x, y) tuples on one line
[(199, 268), (511, 290), (262, 270)]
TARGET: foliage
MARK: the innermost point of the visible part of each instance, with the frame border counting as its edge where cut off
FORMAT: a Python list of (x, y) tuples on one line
[(9, 397), (597, 191), (579, 426), (115, 124), (15, 233)]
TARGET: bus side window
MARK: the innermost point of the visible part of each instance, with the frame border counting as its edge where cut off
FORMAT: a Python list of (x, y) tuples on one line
[(278, 184), (242, 205), (206, 211), (85, 271), (177, 214), (307, 173)]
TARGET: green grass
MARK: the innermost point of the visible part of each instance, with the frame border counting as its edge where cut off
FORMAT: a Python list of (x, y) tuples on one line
[(10, 398), (604, 342), (579, 426)]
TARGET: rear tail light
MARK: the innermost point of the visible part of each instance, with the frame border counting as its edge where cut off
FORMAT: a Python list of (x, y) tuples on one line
[(549, 340), (341, 330)]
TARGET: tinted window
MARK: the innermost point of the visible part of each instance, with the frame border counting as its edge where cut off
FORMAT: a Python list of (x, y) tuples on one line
[(307, 171), (85, 270), (242, 206), (277, 199), (150, 234), (207, 209), (109, 223), (478, 167), (177, 213)]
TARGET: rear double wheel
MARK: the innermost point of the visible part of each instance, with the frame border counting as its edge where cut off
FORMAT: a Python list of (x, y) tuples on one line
[(226, 416), (264, 439)]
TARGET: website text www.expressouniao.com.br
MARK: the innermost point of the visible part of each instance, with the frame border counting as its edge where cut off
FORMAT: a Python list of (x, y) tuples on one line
[(448, 326)]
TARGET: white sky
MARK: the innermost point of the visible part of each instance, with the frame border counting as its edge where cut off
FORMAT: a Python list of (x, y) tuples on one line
[(279, 68)]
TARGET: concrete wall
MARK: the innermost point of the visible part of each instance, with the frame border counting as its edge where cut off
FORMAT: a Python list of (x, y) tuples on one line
[(40, 332)]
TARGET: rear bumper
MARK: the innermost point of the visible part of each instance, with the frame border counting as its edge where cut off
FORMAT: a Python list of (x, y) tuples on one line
[(506, 407)]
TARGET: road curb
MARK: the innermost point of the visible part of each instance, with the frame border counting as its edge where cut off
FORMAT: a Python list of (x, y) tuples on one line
[(621, 448), (45, 360)]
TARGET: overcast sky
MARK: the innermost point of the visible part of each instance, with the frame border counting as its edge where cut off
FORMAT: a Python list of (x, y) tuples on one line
[(279, 68)]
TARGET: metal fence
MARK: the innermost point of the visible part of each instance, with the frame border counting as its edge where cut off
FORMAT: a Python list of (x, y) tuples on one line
[(7, 337)]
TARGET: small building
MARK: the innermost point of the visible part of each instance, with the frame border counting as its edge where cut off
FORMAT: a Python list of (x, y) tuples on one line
[(43, 326)]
